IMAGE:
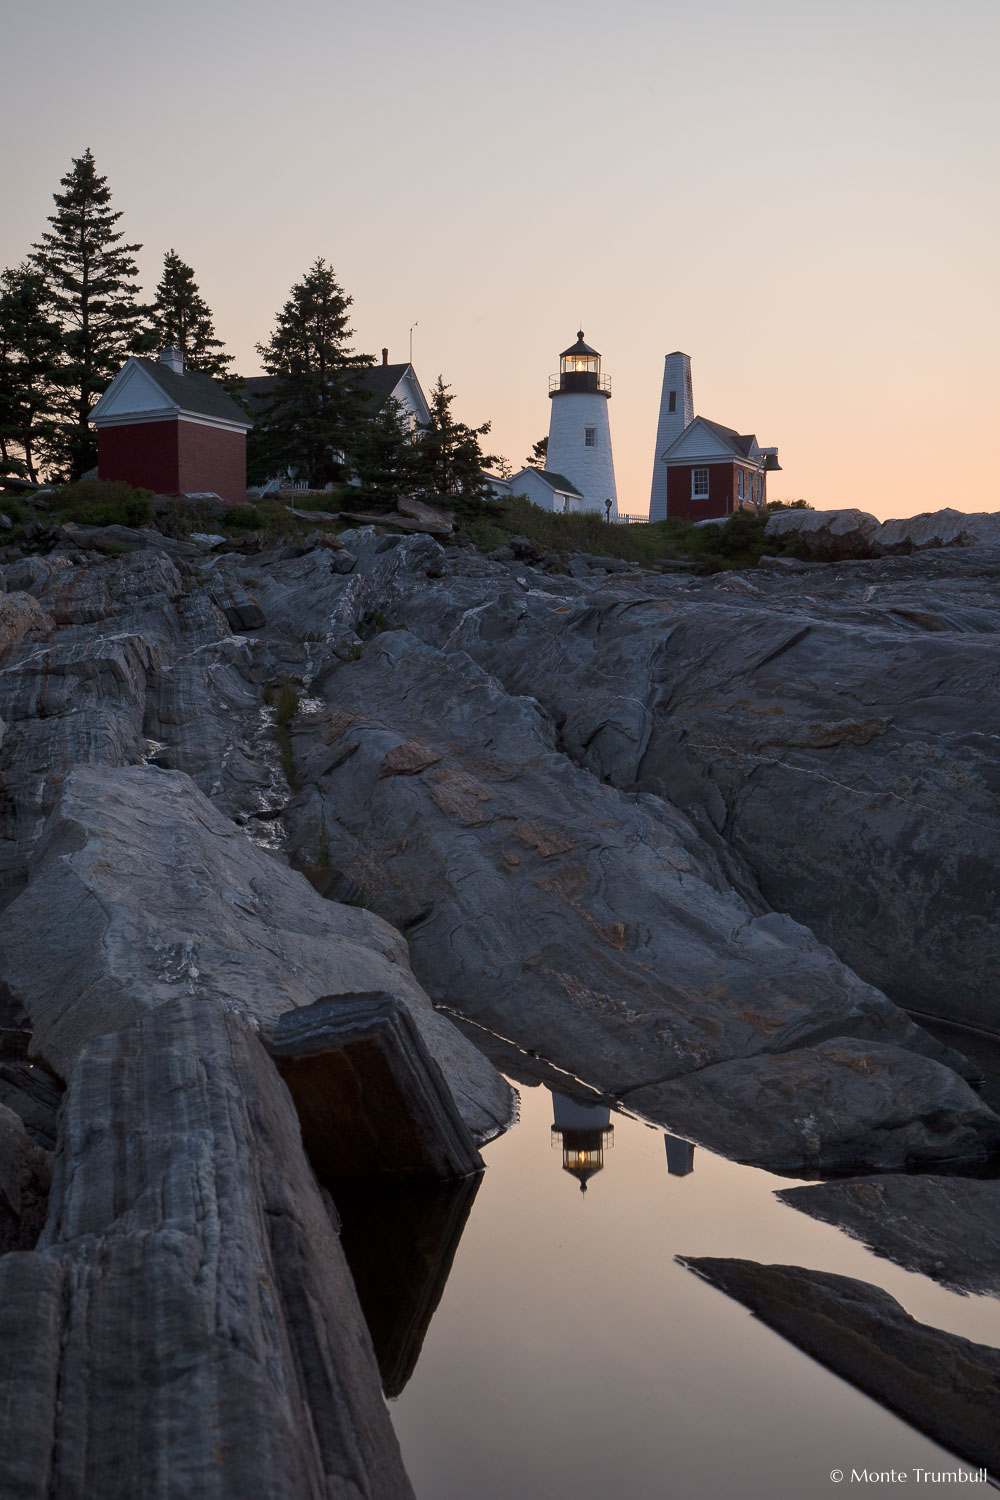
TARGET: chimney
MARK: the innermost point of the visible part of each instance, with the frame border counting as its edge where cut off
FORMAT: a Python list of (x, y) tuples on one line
[(174, 360), (385, 356)]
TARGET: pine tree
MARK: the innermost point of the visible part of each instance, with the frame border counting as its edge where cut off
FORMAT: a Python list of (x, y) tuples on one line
[(182, 319), (30, 371), (316, 410), (449, 460), (90, 276), (383, 453)]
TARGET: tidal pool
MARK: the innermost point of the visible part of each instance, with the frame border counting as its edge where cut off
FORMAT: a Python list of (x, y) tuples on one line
[(570, 1356)]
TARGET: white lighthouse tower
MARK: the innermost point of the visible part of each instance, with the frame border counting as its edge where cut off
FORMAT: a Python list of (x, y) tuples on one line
[(579, 432), (676, 413)]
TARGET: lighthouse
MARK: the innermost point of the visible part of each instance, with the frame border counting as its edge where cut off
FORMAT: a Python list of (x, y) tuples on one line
[(579, 431)]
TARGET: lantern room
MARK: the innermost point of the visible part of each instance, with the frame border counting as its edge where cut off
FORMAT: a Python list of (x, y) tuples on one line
[(580, 367)]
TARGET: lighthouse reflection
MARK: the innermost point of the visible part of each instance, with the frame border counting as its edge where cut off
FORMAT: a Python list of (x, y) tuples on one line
[(585, 1132)]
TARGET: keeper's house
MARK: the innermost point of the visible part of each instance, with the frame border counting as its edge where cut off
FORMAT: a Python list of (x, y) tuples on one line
[(172, 431)]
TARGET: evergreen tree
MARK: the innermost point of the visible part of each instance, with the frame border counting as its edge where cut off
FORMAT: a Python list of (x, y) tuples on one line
[(538, 452), (30, 360), (316, 410), (90, 275), (182, 319), (449, 460), (383, 454)]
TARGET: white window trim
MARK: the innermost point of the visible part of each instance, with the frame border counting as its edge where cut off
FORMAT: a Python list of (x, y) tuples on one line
[(696, 493)]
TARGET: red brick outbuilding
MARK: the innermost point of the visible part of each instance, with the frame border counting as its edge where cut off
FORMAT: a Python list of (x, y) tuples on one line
[(713, 471), (171, 431)]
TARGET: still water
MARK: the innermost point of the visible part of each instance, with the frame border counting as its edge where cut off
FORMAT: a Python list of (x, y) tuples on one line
[(570, 1356)]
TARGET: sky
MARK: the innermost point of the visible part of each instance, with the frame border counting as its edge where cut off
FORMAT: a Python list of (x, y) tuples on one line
[(800, 194)]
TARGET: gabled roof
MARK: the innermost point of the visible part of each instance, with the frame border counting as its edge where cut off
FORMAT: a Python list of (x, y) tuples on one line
[(740, 445), (192, 394), (579, 348), (557, 482), (381, 380), (378, 380)]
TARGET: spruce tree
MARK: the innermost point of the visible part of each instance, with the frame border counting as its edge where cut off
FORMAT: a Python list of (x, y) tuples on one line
[(30, 372), (182, 319), (316, 409), (91, 279), (383, 453), (449, 460)]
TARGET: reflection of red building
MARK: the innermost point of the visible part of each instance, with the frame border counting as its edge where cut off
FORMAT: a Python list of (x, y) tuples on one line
[(173, 432), (583, 1131)]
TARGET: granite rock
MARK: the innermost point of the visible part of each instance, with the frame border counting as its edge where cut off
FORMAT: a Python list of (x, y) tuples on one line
[(25, 1175), (944, 1227), (187, 1326), (943, 1384), (157, 894), (843, 1102), (827, 533)]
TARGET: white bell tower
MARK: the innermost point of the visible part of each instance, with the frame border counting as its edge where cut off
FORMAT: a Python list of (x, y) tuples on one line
[(579, 430), (676, 413)]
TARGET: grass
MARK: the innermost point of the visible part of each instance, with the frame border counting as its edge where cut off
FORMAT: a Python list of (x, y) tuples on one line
[(739, 542)]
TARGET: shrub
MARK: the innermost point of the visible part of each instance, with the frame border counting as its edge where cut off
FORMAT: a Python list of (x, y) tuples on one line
[(245, 518), (102, 502)]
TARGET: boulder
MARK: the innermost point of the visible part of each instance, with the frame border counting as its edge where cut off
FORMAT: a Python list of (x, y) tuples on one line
[(827, 533), (156, 894), (941, 1383), (939, 528), (945, 1227), (188, 1325), (434, 521)]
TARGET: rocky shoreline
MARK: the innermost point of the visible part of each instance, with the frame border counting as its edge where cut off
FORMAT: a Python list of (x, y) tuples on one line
[(706, 843)]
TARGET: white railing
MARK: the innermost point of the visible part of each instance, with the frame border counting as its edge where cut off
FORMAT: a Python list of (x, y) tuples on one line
[(624, 519)]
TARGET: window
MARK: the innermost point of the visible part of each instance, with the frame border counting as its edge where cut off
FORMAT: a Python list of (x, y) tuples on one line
[(673, 401), (740, 484), (699, 484), (590, 437)]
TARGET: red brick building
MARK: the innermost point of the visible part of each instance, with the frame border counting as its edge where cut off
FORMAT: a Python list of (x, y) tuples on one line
[(713, 471), (174, 432)]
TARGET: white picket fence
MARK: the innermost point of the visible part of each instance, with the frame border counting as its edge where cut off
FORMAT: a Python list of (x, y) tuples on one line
[(624, 519)]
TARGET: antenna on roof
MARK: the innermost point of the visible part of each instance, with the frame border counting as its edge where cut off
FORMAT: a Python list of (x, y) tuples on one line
[(415, 325)]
